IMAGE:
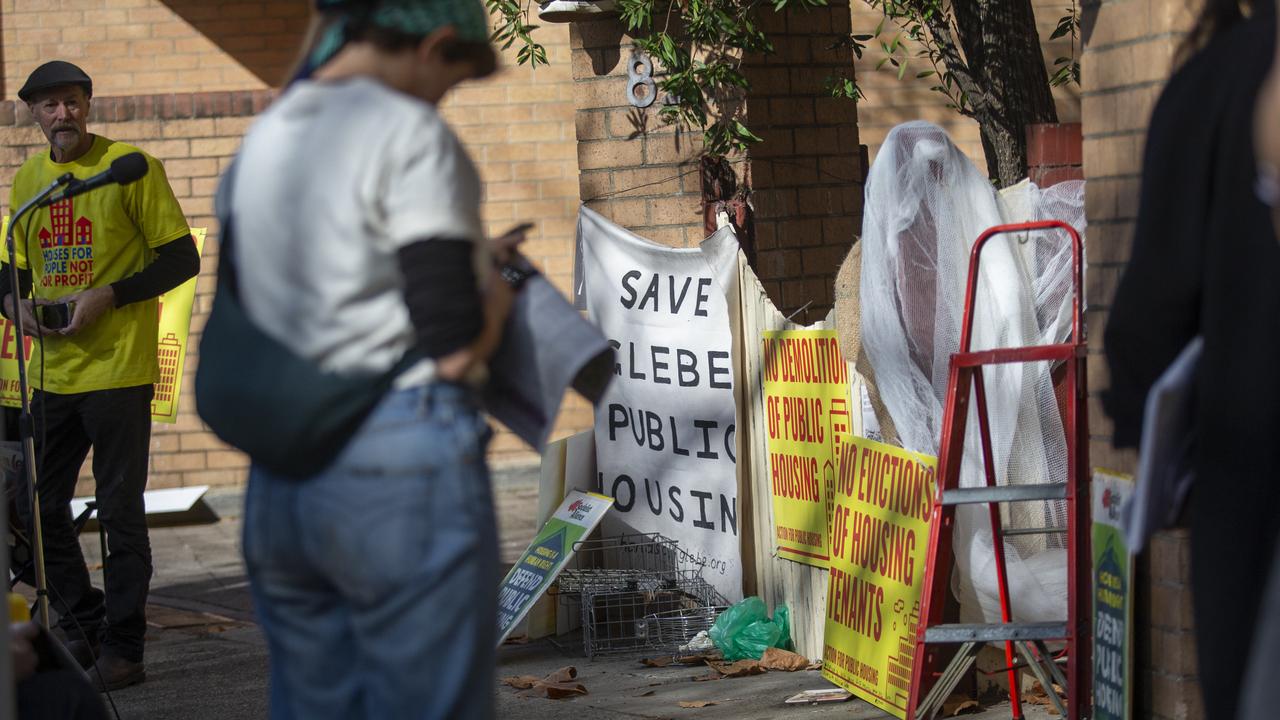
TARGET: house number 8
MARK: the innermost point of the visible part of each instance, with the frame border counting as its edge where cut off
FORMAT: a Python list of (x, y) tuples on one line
[(641, 89)]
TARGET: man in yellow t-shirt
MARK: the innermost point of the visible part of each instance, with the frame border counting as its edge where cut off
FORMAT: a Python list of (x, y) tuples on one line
[(110, 253)]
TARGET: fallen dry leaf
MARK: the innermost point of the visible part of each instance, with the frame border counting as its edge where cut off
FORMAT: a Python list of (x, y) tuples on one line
[(695, 703), (815, 665), (559, 691), (700, 658), (741, 668), (713, 675), (779, 659), (520, 682), (645, 694), (516, 640), (958, 704), (658, 662), (556, 686), (564, 674)]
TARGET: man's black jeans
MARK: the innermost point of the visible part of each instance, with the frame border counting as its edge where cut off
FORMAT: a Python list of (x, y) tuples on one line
[(117, 425)]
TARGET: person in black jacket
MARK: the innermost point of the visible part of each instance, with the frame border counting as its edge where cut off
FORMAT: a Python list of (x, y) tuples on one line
[(1205, 262)]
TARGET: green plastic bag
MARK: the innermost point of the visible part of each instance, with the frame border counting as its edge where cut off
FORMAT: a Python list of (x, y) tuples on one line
[(744, 631)]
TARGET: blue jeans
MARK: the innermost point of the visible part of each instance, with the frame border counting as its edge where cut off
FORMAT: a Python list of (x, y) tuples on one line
[(376, 580)]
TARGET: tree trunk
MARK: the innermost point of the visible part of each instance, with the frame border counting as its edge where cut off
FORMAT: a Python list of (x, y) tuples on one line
[(1002, 48)]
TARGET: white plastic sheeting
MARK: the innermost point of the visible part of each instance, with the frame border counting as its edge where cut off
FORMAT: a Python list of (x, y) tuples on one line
[(926, 204)]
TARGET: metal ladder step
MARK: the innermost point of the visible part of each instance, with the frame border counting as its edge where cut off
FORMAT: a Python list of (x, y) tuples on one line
[(1032, 531), (1005, 493), (983, 633)]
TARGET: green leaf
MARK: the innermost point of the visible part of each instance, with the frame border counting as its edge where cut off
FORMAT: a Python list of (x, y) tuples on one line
[(925, 73), (902, 70)]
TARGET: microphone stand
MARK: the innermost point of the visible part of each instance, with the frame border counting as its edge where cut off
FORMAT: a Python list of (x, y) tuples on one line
[(26, 426)]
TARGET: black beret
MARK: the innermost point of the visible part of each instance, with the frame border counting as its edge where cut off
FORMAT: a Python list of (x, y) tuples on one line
[(53, 74)]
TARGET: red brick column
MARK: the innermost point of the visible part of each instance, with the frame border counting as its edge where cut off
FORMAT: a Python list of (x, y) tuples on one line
[(1055, 153)]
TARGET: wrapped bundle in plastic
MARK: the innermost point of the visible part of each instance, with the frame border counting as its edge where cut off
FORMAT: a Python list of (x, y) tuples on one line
[(926, 204)]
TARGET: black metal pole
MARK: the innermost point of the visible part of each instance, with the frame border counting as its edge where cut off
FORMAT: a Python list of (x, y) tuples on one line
[(26, 427)]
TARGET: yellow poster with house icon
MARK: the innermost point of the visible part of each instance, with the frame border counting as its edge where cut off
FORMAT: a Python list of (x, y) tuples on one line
[(171, 350)]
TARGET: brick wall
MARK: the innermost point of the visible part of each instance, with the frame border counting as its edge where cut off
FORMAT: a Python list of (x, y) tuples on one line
[(1128, 56), (807, 174), (518, 127), (151, 46), (195, 142), (633, 169), (805, 177), (890, 101)]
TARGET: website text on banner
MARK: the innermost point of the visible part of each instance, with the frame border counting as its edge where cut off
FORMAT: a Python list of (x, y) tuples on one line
[(171, 350), (884, 495), (665, 434), (546, 556), (807, 408)]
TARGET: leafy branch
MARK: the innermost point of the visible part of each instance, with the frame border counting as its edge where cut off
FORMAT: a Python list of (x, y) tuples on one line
[(1068, 68), (931, 28), (515, 28)]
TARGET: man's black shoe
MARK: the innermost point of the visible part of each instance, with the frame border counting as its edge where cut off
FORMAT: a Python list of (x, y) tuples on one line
[(84, 652), (112, 673)]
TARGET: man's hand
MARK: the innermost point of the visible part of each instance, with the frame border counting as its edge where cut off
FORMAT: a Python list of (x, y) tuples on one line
[(90, 305), (30, 325), (505, 246)]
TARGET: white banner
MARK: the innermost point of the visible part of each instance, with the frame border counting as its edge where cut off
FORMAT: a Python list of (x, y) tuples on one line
[(666, 441)]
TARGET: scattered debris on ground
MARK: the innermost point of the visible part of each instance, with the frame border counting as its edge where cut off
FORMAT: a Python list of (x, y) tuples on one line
[(960, 705), (556, 686), (199, 623), (785, 660), (822, 695)]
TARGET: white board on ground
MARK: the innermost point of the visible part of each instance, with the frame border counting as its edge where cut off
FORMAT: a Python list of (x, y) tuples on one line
[(171, 501)]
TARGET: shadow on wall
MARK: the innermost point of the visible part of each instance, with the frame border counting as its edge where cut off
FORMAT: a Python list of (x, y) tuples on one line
[(263, 38)]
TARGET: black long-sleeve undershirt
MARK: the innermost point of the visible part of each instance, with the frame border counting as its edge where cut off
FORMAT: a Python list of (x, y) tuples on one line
[(442, 294), (176, 262)]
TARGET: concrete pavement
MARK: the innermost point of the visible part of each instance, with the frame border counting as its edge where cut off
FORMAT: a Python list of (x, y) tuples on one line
[(207, 660)]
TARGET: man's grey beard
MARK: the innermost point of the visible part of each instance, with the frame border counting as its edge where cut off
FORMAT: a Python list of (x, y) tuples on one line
[(59, 139)]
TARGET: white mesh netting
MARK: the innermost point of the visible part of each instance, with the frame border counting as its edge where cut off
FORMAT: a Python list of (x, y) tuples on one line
[(926, 204)]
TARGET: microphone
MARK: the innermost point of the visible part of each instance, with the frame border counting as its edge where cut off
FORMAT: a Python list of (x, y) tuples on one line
[(124, 170)]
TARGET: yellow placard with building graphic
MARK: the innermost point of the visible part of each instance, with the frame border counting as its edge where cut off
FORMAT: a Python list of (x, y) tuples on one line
[(879, 539), (806, 401), (175, 324)]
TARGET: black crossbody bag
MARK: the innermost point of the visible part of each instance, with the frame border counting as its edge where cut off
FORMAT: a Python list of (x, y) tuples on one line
[(290, 416)]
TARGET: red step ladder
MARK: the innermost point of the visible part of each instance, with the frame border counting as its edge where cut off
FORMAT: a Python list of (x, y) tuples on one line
[(1020, 639)]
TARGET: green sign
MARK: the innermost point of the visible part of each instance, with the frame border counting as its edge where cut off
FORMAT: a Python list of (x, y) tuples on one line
[(546, 556), (1112, 601)]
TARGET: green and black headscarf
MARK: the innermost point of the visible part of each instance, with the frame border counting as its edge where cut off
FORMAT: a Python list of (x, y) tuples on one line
[(411, 17)]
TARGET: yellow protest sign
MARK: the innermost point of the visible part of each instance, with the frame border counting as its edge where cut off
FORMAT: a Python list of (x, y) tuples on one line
[(171, 349), (880, 533), (806, 390)]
